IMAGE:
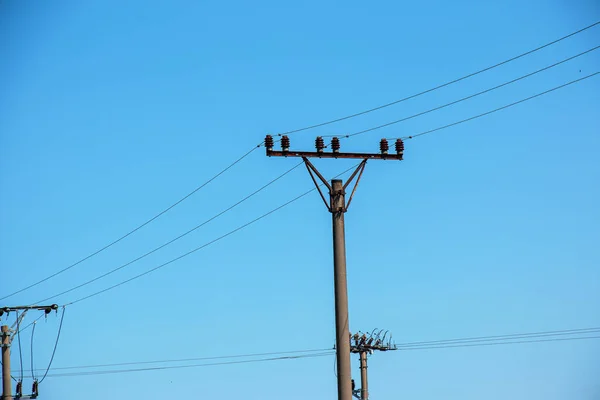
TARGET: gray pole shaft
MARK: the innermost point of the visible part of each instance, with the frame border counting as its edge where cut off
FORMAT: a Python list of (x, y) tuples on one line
[(6, 382), (364, 384), (342, 330)]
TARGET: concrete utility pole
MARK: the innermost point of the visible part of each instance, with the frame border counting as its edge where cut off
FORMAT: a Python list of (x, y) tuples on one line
[(364, 345), (6, 343), (337, 206), (364, 385), (6, 379)]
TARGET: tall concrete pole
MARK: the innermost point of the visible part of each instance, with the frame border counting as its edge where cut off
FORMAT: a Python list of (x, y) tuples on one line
[(6, 379), (364, 384), (342, 330)]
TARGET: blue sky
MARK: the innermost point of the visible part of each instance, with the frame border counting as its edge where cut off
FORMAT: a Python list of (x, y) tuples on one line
[(111, 111)]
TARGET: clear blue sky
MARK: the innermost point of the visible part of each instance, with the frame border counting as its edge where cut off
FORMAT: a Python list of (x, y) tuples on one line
[(112, 110)]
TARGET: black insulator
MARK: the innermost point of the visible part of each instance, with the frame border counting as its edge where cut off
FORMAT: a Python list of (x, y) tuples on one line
[(19, 389), (383, 146), (335, 145), (34, 388), (399, 146), (319, 144), (269, 142), (285, 143)]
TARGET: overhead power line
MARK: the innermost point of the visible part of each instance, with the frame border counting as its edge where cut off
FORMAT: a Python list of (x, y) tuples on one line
[(133, 230), (174, 239), (467, 97), (200, 247), (442, 85), (120, 371), (278, 353), (448, 346), (499, 108), (518, 338), (501, 337)]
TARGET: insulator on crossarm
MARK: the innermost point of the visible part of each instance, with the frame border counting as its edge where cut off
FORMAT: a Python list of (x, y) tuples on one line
[(285, 143), (335, 145), (400, 148), (269, 142), (319, 144), (34, 389), (383, 146), (19, 389)]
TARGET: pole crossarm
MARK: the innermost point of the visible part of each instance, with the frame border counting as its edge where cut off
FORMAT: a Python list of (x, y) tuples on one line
[(373, 341), (46, 309), (315, 154)]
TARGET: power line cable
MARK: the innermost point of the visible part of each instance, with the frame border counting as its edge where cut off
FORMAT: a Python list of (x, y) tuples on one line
[(467, 97), (502, 337), (498, 109), (172, 240), (19, 342), (62, 317), (497, 343), (191, 359), (408, 345), (442, 85), (31, 352), (135, 229), (200, 247), (329, 353)]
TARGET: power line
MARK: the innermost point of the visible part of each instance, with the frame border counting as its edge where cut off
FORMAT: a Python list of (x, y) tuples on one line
[(318, 353), (329, 353), (200, 247), (502, 337), (442, 85), (191, 359), (497, 343), (499, 108), (62, 317), (31, 352), (467, 97), (172, 240), (135, 229)]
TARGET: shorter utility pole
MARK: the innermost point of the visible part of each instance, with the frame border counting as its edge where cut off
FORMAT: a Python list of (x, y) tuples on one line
[(6, 379), (366, 344), (7, 333)]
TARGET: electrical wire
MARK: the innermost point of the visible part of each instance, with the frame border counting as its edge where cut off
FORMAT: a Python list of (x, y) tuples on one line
[(497, 343), (31, 352), (135, 229), (442, 85), (172, 240), (202, 246), (62, 317), (467, 97), (319, 354), (497, 109), (191, 359), (20, 348), (529, 337), (329, 353), (502, 337)]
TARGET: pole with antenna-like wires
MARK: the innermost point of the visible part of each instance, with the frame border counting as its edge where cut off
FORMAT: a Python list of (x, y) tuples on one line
[(337, 206), (6, 344)]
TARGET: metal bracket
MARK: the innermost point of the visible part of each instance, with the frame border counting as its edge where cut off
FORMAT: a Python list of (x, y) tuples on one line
[(313, 171), (359, 170)]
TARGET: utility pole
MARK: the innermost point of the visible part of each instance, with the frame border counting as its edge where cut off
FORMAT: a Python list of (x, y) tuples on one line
[(337, 206), (364, 345), (6, 343), (6, 379)]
